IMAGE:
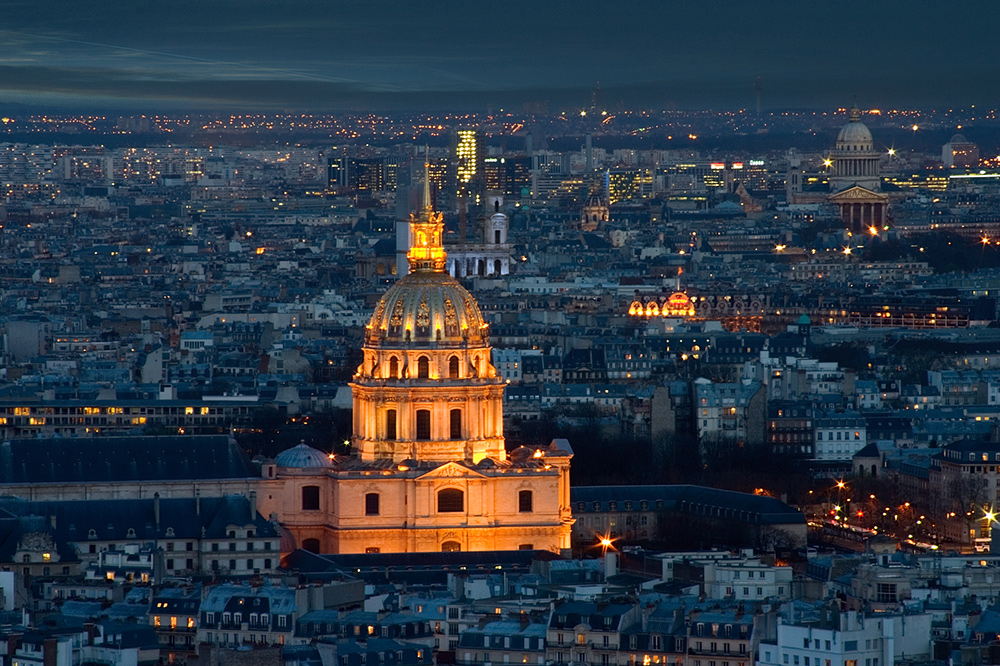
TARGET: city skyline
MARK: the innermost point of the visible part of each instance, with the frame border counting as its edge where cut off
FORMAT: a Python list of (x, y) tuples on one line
[(394, 55)]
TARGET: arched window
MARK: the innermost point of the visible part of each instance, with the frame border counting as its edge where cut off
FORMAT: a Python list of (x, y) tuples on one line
[(453, 364), (423, 367), (390, 425), (451, 547), (312, 545), (423, 424), (310, 498), (394, 367), (524, 501), (451, 500), (455, 424), (497, 267)]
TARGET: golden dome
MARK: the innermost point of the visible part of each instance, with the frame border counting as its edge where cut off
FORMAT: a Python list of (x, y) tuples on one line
[(427, 306), (424, 308)]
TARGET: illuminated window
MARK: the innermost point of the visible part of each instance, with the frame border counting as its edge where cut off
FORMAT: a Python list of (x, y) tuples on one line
[(451, 500), (189, 410), (394, 368)]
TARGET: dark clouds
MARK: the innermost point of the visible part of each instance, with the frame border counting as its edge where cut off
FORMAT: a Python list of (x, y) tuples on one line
[(316, 54)]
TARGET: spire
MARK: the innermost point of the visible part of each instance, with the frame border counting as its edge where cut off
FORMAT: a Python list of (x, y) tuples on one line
[(426, 233)]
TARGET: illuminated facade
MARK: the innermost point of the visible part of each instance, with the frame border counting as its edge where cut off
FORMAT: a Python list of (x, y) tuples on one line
[(855, 181), (854, 158), (430, 470)]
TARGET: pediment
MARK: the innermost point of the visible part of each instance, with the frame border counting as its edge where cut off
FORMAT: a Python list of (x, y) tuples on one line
[(858, 194), (451, 470)]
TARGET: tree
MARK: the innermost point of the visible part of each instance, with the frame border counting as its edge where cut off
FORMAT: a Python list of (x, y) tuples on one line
[(968, 494)]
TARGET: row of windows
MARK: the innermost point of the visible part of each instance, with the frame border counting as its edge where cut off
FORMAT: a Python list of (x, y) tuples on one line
[(450, 500), (423, 423), (423, 367), (423, 429)]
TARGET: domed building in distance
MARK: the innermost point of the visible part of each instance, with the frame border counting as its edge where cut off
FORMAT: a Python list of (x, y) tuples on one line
[(856, 179), (430, 470)]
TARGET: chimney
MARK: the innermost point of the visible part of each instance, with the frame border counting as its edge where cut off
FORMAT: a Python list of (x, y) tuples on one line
[(253, 505), (52, 521), (156, 511), (197, 502), (610, 564), (525, 621)]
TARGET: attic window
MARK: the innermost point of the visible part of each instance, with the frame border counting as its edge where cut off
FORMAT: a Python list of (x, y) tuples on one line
[(92, 534), (131, 533), (170, 531)]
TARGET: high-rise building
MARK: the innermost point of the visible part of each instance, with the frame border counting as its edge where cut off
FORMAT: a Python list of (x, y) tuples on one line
[(469, 164)]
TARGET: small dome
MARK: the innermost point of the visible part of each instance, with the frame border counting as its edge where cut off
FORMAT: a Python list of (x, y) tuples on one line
[(958, 138), (302, 455), (426, 307), (804, 319)]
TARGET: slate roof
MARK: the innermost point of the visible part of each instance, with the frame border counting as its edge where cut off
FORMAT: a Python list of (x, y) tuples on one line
[(112, 519), (767, 510), (122, 459)]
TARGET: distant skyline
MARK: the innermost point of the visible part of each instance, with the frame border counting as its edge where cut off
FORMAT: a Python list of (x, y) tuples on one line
[(316, 55)]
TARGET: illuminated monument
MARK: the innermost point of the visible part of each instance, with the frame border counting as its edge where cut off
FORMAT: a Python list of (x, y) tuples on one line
[(430, 471), (855, 182)]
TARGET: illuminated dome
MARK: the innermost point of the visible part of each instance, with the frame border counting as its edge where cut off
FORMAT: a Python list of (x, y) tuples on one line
[(302, 455), (855, 135), (426, 307)]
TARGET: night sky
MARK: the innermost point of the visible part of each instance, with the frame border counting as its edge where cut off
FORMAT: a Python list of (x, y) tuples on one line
[(329, 54)]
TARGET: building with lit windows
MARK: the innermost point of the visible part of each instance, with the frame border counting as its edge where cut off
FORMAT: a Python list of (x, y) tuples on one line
[(469, 159), (430, 471), (960, 153)]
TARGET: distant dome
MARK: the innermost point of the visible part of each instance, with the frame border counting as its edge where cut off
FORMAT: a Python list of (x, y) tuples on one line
[(958, 138), (855, 135), (804, 319), (425, 307), (302, 455)]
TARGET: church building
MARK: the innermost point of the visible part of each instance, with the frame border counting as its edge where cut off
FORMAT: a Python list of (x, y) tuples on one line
[(855, 184), (429, 470)]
